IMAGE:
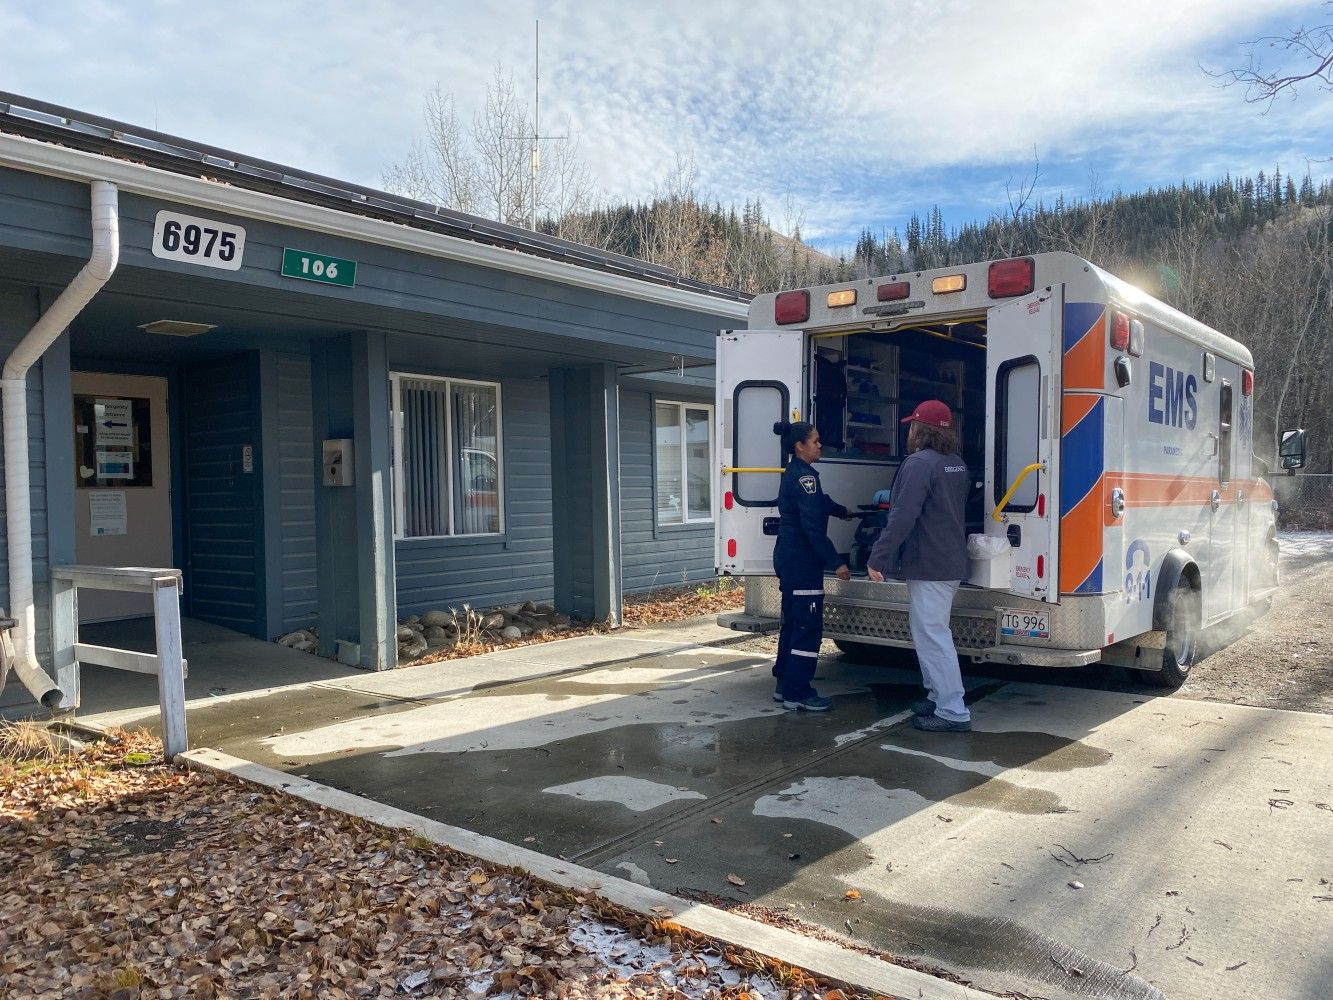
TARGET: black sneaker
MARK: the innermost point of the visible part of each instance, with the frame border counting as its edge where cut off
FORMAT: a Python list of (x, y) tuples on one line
[(923, 706), (934, 724)]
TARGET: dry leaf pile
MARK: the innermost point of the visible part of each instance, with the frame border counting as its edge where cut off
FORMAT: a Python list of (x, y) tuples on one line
[(672, 604), (128, 880), (656, 607)]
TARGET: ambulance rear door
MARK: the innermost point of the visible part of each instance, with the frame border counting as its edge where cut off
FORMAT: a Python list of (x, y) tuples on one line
[(1022, 394), (759, 382)]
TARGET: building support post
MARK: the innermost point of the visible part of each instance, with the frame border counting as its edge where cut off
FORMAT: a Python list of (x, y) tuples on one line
[(353, 524), (585, 489)]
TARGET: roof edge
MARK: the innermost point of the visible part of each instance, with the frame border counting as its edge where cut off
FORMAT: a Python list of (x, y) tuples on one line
[(37, 156)]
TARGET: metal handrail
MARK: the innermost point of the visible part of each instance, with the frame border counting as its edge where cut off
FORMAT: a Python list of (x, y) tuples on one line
[(728, 469), (998, 513), (168, 664)]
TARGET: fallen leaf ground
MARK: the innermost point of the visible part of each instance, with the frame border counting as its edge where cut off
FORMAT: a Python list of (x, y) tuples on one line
[(127, 878)]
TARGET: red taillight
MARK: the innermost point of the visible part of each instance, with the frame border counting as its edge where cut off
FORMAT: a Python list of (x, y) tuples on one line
[(731, 548), (728, 500), (1041, 567), (1120, 333), (1246, 382), (893, 291), (791, 307), (1007, 278), (1041, 504)]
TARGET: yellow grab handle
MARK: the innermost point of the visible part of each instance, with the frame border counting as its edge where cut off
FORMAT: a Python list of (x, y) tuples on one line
[(999, 507), (727, 470)]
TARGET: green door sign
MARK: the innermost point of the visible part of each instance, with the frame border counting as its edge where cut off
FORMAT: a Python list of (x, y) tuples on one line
[(318, 267)]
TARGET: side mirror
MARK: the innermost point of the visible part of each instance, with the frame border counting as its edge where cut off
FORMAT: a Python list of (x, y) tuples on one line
[(1291, 452)]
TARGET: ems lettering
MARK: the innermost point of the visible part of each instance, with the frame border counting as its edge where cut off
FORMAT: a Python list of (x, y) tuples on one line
[(1172, 396)]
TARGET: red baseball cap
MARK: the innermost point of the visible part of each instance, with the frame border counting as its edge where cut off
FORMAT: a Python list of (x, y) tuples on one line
[(931, 412)]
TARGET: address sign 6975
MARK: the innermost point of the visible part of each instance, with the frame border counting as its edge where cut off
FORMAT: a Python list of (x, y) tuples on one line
[(198, 241)]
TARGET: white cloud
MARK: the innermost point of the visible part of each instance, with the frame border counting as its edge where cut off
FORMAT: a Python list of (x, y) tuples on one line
[(860, 111)]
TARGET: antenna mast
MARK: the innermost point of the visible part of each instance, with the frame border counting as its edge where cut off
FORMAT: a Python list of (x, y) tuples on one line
[(536, 114)]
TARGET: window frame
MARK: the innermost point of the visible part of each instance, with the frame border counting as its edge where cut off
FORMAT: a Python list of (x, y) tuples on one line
[(686, 521), (1226, 417), (396, 433), (1002, 481)]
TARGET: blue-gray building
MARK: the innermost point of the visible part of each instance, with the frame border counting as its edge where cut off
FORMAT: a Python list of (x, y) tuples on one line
[(332, 407)]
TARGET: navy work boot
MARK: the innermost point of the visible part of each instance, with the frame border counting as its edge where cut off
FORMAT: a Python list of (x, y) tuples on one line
[(810, 703)]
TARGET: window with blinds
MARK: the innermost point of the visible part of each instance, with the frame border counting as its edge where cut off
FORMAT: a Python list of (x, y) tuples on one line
[(683, 453), (447, 468)]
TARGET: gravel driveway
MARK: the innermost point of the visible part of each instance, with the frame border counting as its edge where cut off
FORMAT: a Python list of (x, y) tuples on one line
[(1285, 659)]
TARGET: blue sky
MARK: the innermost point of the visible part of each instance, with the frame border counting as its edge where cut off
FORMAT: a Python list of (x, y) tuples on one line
[(859, 113)]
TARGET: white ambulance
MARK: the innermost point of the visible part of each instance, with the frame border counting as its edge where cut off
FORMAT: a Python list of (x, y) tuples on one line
[(1109, 438)]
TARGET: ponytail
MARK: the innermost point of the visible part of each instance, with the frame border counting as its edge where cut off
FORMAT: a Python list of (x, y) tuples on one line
[(792, 434)]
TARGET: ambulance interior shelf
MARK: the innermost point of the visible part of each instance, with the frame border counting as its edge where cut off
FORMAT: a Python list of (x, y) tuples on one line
[(864, 383)]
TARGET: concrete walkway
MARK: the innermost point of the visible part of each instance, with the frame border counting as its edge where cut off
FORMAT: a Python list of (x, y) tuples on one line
[(1077, 844)]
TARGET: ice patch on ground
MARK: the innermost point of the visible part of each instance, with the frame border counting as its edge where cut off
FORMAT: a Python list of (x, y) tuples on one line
[(636, 874), (844, 738), (982, 767), (1305, 543), (856, 805), (627, 956), (638, 794)]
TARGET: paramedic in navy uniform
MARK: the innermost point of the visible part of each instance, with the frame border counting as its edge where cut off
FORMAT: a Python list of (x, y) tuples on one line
[(801, 557), (924, 542)]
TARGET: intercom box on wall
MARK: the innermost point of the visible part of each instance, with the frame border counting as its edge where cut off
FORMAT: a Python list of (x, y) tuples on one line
[(338, 462)]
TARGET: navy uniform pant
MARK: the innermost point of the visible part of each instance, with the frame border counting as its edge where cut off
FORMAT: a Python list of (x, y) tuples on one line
[(801, 633)]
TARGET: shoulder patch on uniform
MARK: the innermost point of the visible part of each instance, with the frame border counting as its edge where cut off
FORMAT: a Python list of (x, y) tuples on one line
[(808, 483)]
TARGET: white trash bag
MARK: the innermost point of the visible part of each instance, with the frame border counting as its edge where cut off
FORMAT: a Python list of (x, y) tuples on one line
[(986, 546)]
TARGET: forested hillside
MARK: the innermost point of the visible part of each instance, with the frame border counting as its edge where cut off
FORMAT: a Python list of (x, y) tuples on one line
[(1252, 257), (1249, 256)]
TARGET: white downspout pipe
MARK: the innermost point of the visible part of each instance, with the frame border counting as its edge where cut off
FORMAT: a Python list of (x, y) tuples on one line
[(14, 407)]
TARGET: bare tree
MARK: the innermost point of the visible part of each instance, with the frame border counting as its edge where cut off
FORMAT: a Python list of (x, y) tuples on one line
[(501, 144), (488, 169), (439, 168), (1085, 230), (1019, 194), (1311, 49)]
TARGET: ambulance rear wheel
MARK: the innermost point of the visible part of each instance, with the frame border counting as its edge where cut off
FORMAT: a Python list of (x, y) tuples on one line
[(1182, 638)]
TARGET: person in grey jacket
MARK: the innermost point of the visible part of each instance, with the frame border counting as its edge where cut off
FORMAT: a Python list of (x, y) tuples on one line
[(924, 542)]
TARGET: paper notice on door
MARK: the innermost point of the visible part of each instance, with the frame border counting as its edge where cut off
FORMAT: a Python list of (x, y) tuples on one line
[(113, 427), (106, 512)]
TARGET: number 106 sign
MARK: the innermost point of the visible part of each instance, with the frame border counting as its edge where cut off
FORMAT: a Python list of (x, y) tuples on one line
[(198, 241)]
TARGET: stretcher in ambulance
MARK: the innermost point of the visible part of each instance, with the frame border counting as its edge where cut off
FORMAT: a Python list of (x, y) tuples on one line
[(1117, 512)]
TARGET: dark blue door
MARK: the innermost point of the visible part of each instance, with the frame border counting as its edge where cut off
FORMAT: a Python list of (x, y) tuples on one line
[(224, 532)]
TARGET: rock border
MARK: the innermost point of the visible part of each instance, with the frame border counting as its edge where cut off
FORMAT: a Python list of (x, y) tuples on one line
[(821, 959)]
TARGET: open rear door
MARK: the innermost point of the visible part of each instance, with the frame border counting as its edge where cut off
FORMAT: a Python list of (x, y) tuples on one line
[(759, 382), (1022, 387)]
